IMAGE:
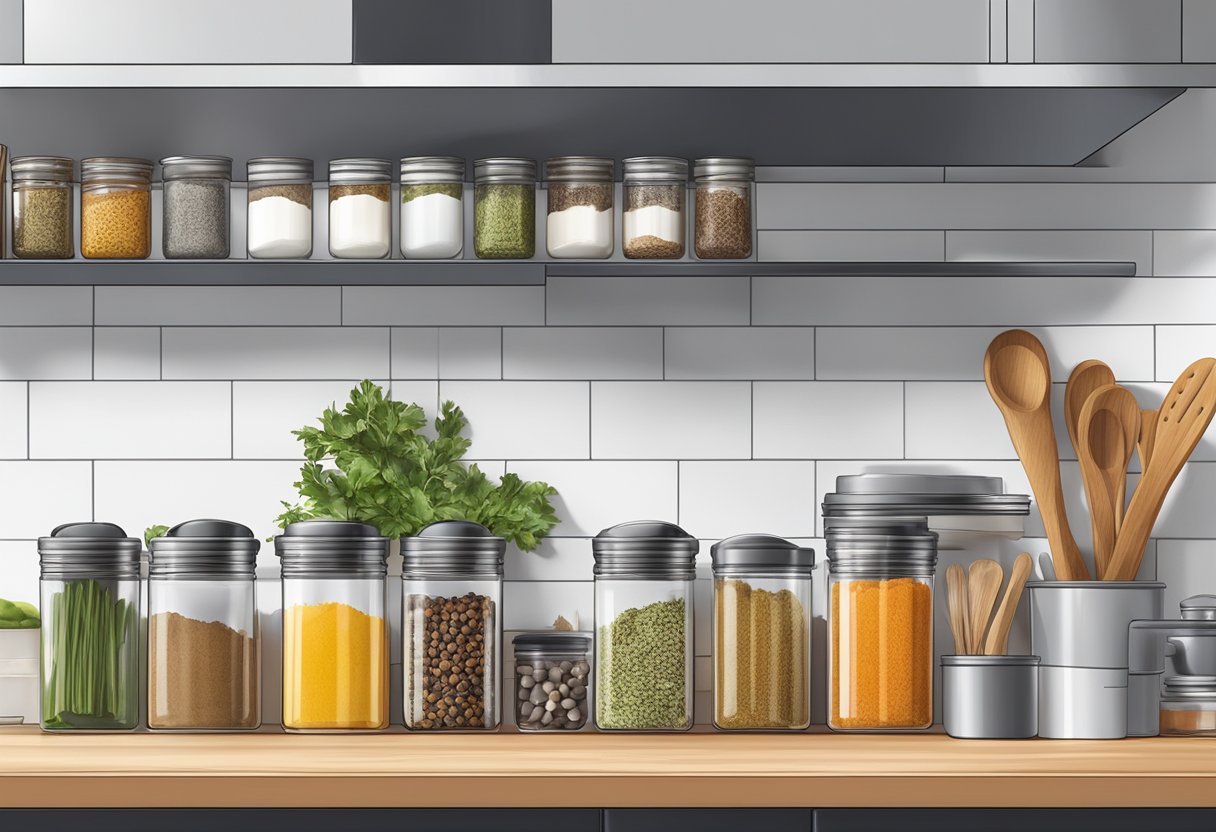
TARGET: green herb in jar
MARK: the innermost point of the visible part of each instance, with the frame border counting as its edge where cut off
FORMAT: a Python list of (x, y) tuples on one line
[(411, 192), (42, 223), (504, 221), (642, 671)]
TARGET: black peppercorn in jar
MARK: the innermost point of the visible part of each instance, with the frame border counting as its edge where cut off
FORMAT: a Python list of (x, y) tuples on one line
[(723, 208), (196, 206), (42, 208)]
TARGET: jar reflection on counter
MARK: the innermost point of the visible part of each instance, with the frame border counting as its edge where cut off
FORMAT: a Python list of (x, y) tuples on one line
[(654, 221), (42, 208), (504, 208), (723, 208), (279, 221), (115, 208)]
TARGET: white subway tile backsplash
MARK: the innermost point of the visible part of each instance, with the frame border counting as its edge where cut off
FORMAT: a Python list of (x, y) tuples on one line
[(19, 566), (264, 413), (130, 420), (38, 496), (1188, 508), (582, 353), (126, 353), (1133, 246), (720, 499), (28, 352), (415, 352), (829, 420), (275, 353), (535, 605), (1179, 346), (774, 353), (524, 419), (1188, 567), (647, 301), (1184, 253), (470, 352), (671, 420), (46, 305), (850, 245), (219, 305), (595, 495), (556, 559), (954, 420), (443, 305), (14, 426)]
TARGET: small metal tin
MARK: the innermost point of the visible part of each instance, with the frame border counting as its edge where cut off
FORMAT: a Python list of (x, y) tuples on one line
[(1199, 608), (453, 548), (990, 697), (645, 550), (204, 549)]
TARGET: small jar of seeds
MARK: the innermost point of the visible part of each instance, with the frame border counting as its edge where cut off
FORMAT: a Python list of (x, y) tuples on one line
[(279, 220), (724, 208), (196, 207), (504, 208), (552, 681), (115, 208), (654, 220), (579, 224), (451, 627), (42, 208)]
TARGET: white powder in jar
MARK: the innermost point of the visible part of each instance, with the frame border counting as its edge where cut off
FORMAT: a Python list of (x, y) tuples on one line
[(432, 227), (579, 232), (359, 227), (654, 221), (279, 227)]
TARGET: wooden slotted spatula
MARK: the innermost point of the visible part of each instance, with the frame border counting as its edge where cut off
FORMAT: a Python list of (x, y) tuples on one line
[(983, 585), (957, 607), (1181, 422), (997, 642), (1106, 439), (1148, 433)]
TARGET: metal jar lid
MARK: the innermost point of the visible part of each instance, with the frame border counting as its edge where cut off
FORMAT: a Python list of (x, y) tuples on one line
[(1183, 688), (655, 169), (202, 549), (724, 169), (279, 169), (903, 548), (453, 548), (195, 167), (115, 169), (332, 549), (89, 550), (990, 661), (1199, 608), (548, 643), (645, 550), (47, 168), (360, 171), (762, 555), (578, 169), (930, 494), (505, 169), (425, 170)]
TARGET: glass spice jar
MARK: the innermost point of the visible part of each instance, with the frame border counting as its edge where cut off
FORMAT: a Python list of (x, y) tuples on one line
[(504, 208), (451, 587), (360, 216), (644, 573), (1188, 706), (432, 207), (762, 633), (656, 188), (42, 208), (335, 629), (723, 208), (579, 224), (90, 628), (196, 207), (204, 657), (115, 208), (552, 680), (279, 220)]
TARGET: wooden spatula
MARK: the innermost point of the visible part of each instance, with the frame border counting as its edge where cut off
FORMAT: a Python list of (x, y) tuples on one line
[(1106, 439), (1085, 378), (983, 585), (997, 642), (1184, 416), (956, 605), (1148, 433)]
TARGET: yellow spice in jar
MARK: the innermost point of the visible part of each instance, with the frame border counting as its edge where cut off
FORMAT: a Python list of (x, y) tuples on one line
[(335, 668), (116, 224)]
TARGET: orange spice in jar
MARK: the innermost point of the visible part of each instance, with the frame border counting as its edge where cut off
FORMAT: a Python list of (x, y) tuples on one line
[(115, 208)]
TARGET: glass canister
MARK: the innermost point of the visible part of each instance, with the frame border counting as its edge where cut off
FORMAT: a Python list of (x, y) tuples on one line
[(762, 633), (115, 208), (432, 207), (723, 208), (42, 208), (279, 219), (644, 574), (335, 630), (504, 208), (552, 680), (579, 224), (880, 641), (90, 628), (196, 207), (360, 217), (204, 656), (1188, 706), (656, 188), (451, 627)]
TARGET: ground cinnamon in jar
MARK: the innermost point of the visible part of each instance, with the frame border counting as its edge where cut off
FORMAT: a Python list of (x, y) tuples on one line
[(201, 674)]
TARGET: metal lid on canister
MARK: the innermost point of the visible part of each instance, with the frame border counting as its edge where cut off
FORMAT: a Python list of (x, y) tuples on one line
[(1199, 608), (505, 169), (279, 169), (645, 550), (650, 169), (44, 168), (927, 494), (893, 546), (551, 642), (195, 167), (426, 170), (203, 549), (762, 555), (332, 549), (579, 169), (453, 548), (1182, 688), (724, 169), (100, 169), (89, 550), (360, 170)]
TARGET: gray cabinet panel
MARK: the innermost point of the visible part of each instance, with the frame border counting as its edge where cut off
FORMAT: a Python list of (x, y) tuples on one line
[(10, 31), (1199, 31), (1108, 31), (452, 32)]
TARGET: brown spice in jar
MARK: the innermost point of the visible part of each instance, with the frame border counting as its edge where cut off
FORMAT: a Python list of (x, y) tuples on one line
[(564, 195), (201, 674), (670, 197), (1185, 723), (300, 194), (42, 223), (650, 247), (723, 224), (116, 224), (456, 644), (380, 192)]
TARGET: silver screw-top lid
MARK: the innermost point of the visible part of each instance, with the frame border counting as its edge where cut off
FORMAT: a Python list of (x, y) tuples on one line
[(426, 170), (891, 546), (195, 167), (453, 548), (645, 550), (761, 555), (655, 169), (551, 643), (115, 169), (578, 169), (47, 168), (724, 169), (89, 550), (1199, 608), (505, 169), (1184, 688), (922, 494), (360, 171), (332, 549), (202, 549), (279, 169)]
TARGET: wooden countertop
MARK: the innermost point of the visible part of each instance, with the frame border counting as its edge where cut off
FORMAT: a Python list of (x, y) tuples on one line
[(821, 770)]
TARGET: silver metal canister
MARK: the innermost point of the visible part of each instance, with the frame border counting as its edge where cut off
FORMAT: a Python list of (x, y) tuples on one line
[(990, 697)]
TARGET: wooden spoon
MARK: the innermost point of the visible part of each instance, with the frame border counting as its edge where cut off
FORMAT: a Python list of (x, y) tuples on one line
[(1085, 378), (1109, 428), (997, 642), (983, 585), (1184, 416), (1148, 433), (1019, 379), (956, 603)]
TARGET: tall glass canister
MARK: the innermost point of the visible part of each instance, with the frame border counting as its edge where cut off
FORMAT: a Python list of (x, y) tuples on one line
[(360, 214), (204, 657), (644, 573), (90, 628), (335, 629), (452, 626), (762, 633), (504, 208), (653, 222), (579, 223)]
